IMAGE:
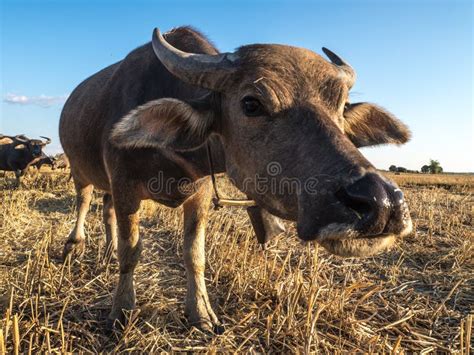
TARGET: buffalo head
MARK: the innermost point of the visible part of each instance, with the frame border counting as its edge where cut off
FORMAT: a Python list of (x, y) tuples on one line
[(291, 139), (32, 146)]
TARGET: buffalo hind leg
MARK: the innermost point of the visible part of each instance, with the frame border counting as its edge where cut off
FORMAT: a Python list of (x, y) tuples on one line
[(75, 241), (129, 248), (198, 308), (110, 222)]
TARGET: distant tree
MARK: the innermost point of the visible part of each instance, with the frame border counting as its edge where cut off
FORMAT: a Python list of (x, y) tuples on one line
[(392, 168), (435, 167), (425, 169), (401, 169)]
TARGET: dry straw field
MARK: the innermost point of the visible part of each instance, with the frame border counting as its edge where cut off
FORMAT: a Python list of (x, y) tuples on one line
[(290, 298)]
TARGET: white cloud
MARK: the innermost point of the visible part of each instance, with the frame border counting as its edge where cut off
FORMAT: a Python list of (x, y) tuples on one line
[(41, 100)]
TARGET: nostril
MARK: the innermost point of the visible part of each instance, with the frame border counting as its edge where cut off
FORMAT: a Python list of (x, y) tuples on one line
[(359, 204), (378, 204), (369, 199)]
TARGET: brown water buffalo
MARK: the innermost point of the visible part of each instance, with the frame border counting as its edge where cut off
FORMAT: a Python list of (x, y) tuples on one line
[(277, 121), (18, 152)]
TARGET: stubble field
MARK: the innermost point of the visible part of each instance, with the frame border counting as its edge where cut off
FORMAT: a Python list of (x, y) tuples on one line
[(419, 296)]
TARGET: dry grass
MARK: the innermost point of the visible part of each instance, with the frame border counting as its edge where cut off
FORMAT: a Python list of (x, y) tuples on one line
[(446, 181), (417, 297)]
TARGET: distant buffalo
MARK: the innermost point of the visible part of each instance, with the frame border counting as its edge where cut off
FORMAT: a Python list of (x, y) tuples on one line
[(18, 152), (61, 162)]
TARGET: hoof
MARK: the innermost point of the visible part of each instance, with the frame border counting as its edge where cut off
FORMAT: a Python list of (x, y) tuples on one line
[(116, 321), (207, 325), (73, 248), (113, 325), (219, 329)]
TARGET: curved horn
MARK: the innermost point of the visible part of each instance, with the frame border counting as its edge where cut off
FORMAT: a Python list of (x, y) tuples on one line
[(204, 70), (21, 138), (47, 140), (349, 72)]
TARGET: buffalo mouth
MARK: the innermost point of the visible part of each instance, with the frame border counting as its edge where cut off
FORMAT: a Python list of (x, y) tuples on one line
[(343, 240), (359, 247), (358, 220)]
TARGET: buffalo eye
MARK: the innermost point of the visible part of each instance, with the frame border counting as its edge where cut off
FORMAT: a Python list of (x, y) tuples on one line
[(252, 107)]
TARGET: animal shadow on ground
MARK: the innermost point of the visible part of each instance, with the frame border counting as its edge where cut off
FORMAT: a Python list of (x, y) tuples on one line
[(62, 204)]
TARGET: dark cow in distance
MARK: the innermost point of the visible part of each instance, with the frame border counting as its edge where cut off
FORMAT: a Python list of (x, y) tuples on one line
[(43, 160), (274, 113), (18, 152)]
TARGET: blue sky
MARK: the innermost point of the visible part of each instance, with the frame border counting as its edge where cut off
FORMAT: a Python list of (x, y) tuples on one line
[(412, 57)]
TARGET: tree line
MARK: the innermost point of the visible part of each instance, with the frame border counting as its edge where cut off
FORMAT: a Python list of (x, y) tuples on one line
[(434, 167)]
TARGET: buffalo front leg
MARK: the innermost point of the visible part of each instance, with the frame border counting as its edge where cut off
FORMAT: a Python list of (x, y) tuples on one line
[(18, 175), (198, 308), (75, 241), (129, 248), (110, 223)]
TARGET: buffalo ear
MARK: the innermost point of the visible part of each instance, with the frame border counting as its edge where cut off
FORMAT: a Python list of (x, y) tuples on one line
[(366, 124), (164, 123)]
